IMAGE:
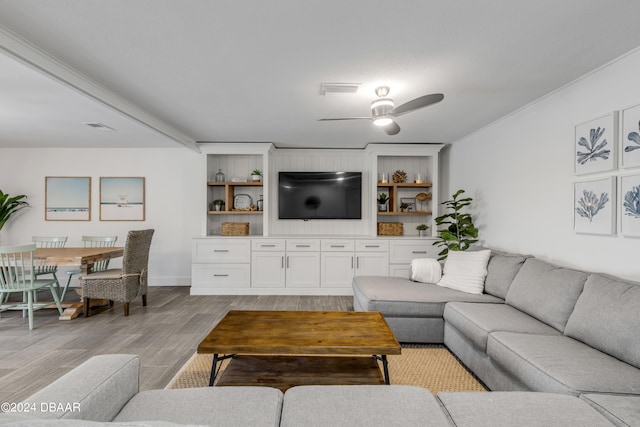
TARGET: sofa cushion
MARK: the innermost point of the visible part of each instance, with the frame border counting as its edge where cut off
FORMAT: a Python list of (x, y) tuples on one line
[(425, 270), (213, 406), (510, 409), (465, 271), (559, 364), (501, 270), (606, 317), (477, 321), (622, 410), (399, 297), (360, 405), (546, 291)]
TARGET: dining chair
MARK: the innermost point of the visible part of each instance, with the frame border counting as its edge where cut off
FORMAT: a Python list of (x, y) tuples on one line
[(48, 242), (92, 242), (17, 274), (122, 284)]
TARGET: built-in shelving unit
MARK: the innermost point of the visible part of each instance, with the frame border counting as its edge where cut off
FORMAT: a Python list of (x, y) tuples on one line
[(226, 191), (395, 191)]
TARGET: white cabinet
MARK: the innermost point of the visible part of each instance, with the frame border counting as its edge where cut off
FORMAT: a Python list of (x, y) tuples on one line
[(280, 263), (372, 257), (302, 263), (220, 263), (338, 263), (268, 263)]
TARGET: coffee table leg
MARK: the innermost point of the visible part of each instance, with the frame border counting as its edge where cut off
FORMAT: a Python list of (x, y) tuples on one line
[(214, 366), (385, 366)]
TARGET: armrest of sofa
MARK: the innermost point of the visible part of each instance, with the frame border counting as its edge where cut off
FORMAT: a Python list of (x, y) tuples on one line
[(96, 390)]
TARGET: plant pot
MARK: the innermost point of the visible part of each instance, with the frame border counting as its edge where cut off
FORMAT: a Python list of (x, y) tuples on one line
[(382, 207), (422, 233), (256, 178), (218, 207)]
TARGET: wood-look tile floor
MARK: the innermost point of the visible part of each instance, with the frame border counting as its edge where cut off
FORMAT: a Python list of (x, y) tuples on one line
[(165, 334)]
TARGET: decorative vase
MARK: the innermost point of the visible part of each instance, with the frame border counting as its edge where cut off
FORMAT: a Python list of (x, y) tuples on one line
[(220, 176), (382, 207), (422, 233), (256, 178)]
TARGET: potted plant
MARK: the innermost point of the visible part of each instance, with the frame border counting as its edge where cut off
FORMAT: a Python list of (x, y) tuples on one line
[(422, 229), (460, 233), (382, 202), (256, 175), (218, 205), (404, 207), (10, 205)]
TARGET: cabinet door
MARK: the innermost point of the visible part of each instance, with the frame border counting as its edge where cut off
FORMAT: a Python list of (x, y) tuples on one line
[(303, 269), (337, 269), (372, 264), (267, 270)]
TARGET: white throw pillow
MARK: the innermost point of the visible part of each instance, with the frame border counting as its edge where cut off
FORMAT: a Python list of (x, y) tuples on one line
[(425, 270), (465, 271)]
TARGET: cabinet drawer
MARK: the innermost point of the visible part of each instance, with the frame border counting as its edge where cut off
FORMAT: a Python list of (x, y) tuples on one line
[(372, 245), (221, 276), (268, 245), (222, 251), (303, 245), (337, 245), (403, 252)]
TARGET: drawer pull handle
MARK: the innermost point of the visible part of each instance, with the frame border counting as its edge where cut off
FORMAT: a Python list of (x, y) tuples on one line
[(221, 250), (220, 275), (267, 246), (303, 246), (337, 246), (371, 246), (419, 252)]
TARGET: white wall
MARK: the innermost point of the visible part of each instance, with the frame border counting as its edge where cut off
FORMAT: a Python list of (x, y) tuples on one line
[(173, 183), (519, 171)]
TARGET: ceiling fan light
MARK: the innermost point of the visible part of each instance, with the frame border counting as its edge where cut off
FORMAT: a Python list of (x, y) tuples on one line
[(382, 102), (382, 121)]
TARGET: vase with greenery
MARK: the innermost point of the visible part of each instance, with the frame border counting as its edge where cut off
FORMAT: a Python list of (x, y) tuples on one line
[(256, 175), (422, 229), (9, 206), (459, 232), (218, 205), (382, 202)]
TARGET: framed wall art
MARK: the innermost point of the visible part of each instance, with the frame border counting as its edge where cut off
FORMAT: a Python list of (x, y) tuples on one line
[(595, 145), (630, 205), (67, 198), (630, 146), (594, 206), (122, 199)]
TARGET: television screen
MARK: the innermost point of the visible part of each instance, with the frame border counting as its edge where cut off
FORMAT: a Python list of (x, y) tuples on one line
[(320, 195)]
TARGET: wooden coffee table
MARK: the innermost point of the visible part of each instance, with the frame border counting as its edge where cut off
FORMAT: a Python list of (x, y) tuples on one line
[(286, 348)]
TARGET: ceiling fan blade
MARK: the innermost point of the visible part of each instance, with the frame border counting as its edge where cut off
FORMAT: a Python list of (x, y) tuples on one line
[(414, 104), (391, 129), (344, 118)]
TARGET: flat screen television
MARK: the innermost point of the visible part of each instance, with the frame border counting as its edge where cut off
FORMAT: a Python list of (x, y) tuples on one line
[(320, 195)]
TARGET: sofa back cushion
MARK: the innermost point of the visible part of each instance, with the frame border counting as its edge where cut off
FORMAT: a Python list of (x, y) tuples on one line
[(501, 271), (546, 291), (607, 317)]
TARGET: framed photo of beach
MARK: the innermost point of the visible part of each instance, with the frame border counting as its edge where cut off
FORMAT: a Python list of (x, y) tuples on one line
[(122, 199), (67, 198)]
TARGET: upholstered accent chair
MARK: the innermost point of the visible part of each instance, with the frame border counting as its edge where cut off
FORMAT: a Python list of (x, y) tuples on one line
[(121, 284)]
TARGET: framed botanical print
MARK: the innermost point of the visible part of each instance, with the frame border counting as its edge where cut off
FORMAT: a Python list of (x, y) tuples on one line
[(595, 145), (630, 205), (594, 206), (630, 139), (67, 198), (122, 199)]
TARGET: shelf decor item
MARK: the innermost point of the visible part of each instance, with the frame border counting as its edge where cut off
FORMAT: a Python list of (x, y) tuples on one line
[(422, 230), (390, 229), (235, 229), (217, 205), (399, 176), (256, 175), (242, 202), (383, 199), (384, 178), (220, 176)]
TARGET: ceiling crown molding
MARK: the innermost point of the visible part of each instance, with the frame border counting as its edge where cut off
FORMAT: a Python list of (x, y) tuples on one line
[(30, 55)]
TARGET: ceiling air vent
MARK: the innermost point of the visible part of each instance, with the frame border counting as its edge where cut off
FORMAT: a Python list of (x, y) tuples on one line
[(326, 88), (98, 126)]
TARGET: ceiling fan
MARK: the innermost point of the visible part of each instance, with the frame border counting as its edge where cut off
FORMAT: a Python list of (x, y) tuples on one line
[(383, 110)]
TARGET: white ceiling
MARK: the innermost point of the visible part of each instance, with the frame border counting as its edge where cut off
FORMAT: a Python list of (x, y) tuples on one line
[(165, 72)]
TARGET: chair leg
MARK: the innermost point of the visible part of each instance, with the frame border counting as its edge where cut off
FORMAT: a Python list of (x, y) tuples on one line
[(110, 303), (64, 291), (126, 308), (56, 299), (144, 300), (30, 305), (85, 306)]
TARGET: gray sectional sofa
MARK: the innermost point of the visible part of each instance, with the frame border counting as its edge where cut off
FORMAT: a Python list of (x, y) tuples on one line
[(537, 327), (104, 391)]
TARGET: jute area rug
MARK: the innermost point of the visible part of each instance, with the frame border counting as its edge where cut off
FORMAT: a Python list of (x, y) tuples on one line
[(430, 366)]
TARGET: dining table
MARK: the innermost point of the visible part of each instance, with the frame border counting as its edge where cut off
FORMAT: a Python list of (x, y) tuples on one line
[(83, 257)]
